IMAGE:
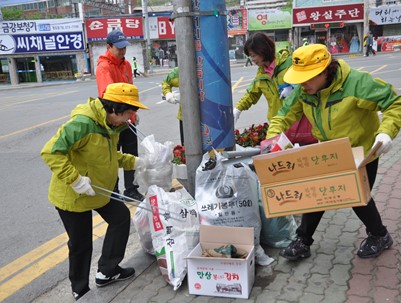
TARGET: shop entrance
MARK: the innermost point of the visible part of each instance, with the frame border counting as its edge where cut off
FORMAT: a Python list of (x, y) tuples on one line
[(321, 37), (26, 69), (56, 68)]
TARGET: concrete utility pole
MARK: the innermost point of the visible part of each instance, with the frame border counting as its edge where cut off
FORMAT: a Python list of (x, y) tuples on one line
[(145, 18), (188, 88)]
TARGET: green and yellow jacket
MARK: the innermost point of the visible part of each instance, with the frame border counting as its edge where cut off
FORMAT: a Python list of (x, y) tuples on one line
[(87, 146), (172, 80), (347, 108), (268, 86)]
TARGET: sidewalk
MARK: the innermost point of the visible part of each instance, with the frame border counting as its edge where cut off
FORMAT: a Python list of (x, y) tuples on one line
[(333, 274)]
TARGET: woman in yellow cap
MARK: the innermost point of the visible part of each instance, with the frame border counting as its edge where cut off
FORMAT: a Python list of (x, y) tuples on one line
[(84, 152), (340, 102)]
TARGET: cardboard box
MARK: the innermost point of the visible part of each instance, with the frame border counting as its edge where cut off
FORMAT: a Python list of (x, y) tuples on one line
[(222, 277), (321, 176)]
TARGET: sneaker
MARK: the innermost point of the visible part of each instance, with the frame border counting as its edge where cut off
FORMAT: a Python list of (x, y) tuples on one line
[(78, 296), (373, 246), (123, 274), (133, 193), (296, 250)]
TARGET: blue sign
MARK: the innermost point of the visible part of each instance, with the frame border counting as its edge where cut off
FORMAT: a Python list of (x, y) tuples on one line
[(41, 43)]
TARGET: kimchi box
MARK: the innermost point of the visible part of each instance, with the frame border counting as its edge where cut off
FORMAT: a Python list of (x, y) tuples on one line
[(222, 277), (316, 177)]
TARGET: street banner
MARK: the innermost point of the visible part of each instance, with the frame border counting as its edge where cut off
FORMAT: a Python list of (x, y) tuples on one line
[(213, 75)]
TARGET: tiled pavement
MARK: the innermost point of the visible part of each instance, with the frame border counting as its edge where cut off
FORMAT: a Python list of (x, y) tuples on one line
[(333, 274)]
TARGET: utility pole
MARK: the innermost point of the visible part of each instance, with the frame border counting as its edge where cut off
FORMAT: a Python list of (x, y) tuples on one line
[(184, 30), (145, 18)]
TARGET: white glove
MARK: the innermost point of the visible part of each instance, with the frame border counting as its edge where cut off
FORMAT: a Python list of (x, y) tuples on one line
[(236, 114), (83, 186), (139, 162), (286, 91), (170, 98), (386, 143)]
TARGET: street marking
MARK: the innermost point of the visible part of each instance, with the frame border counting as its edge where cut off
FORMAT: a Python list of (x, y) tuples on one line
[(32, 127), (380, 68), (32, 265), (236, 84), (32, 100)]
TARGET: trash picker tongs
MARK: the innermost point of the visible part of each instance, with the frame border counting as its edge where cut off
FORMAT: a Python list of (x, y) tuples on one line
[(129, 200)]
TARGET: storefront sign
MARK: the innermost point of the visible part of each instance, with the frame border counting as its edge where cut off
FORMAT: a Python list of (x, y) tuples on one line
[(318, 3), (237, 22), (161, 28), (98, 28), (261, 19), (41, 43), (351, 12), (41, 26), (389, 43), (385, 15)]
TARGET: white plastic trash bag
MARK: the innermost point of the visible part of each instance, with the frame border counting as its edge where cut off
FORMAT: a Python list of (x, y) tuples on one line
[(157, 168), (174, 234), (227, 195)]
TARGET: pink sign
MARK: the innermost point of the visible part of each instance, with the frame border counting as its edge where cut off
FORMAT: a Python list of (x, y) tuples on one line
[(307, 15)]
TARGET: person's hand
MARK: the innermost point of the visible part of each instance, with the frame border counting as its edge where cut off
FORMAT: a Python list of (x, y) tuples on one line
[(236, 114), (386, 143), (170, 98), (286, 91), (139, 162), (83, 186)]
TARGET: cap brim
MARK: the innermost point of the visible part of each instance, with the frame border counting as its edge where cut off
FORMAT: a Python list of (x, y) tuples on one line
[(121, 44), (297, 77)]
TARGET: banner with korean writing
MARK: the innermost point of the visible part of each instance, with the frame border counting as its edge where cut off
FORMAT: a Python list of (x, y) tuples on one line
[(98, 28), (351, 12), (41, 43), (385, 15), (42, 26), (260, 19)]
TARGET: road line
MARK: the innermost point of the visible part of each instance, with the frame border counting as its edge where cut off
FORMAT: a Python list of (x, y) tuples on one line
[(40, 260), (32, 100), (32, 127), (236, 84), (380, 68)]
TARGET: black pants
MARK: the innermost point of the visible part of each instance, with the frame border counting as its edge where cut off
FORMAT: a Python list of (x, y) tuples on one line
[(136, 73), (128, 144), (79, 229), (182, 132), (369, 215), (369, 49)]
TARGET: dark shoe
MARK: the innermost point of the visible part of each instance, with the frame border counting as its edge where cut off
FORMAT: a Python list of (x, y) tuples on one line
[(133, 193), (78, 296), (296, 250), (123, 274), (373, 246)]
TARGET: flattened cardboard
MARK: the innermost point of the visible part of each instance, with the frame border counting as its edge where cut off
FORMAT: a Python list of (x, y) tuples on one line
[(222, 277), (316, 177)]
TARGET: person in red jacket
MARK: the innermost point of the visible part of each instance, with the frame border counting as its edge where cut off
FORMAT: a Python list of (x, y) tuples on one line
[(112, 67)]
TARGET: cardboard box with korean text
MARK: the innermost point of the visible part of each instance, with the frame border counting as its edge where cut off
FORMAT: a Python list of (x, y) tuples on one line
[(316, 177), (222, 277)]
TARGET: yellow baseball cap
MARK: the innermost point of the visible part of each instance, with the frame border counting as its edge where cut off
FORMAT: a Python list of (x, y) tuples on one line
[(307, 62), (123, 93)]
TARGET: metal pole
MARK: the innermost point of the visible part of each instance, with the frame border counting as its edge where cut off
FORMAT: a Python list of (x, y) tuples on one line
[(188, 89)]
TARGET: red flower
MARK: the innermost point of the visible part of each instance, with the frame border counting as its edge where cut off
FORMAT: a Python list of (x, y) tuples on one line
[(251, 136), (179, 155)]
